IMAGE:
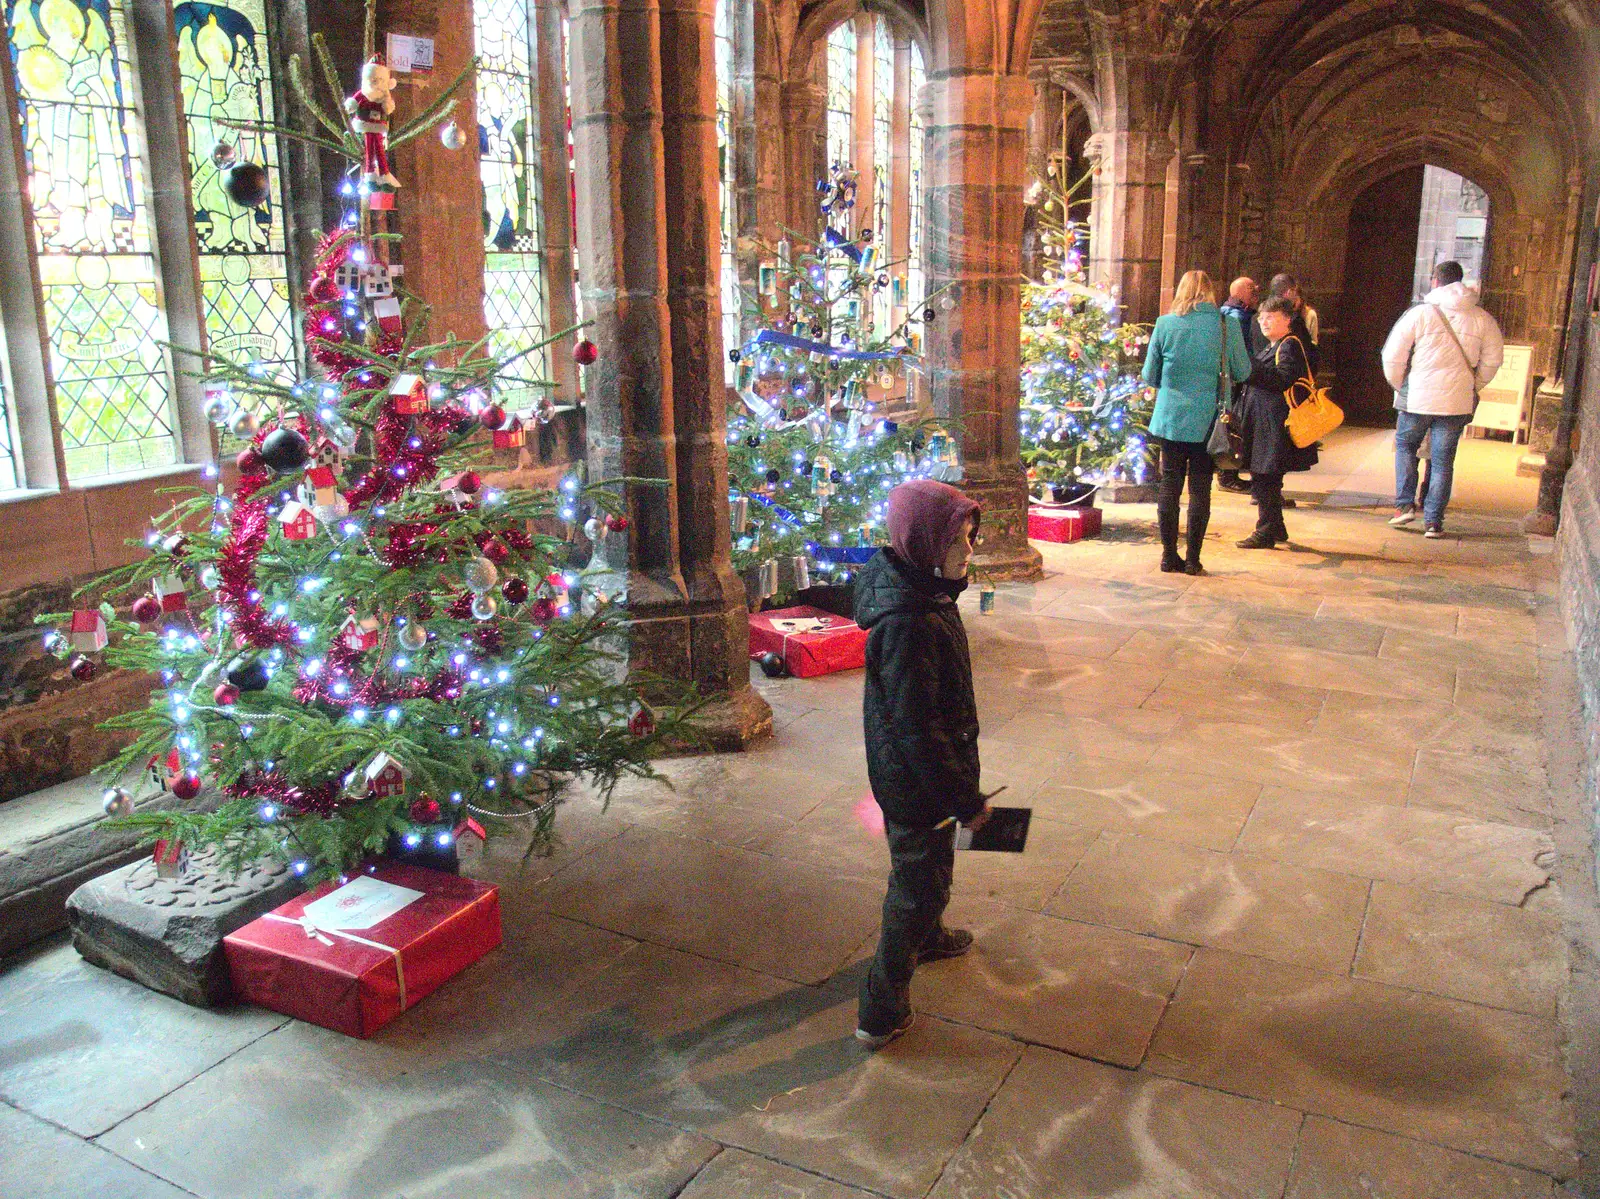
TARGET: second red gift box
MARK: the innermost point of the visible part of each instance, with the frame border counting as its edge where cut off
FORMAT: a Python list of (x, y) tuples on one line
[(809, 640)]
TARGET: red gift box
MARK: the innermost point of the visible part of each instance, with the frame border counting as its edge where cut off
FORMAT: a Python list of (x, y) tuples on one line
[(1063, 524), (355, 980), (840, 646)]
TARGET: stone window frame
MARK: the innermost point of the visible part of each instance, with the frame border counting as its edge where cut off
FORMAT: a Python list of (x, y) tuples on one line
[(52, 525)]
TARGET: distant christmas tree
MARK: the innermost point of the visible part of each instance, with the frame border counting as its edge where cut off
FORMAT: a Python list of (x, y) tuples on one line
[(1085, 412), (812, 451), (361, 643)]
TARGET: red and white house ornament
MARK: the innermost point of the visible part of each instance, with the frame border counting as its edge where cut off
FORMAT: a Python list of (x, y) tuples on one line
[(387, 313), (409, 394), (377, 280), (171, 858), (512, 437), (87, 633), (386, 778), (170, 591), (347, 277), (470, 839), (299, 524), (359, 632)]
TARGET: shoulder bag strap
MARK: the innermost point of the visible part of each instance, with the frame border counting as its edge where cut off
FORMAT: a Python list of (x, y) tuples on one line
[(1456, 341), (1224, 382)]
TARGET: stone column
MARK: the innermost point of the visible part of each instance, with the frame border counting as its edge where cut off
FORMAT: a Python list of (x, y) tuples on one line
[(1128, 218), (561, 306), (616, 127), (899, 244), (976, 153), (716, 618), (803, 152)]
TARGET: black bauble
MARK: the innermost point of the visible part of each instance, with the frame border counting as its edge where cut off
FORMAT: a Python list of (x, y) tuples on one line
[(836, 477), (772, 665), (752, 441), (284, 450), (928, 314), (772, 476), (246, 184), (733, 355), (248, 674), (890, 426)]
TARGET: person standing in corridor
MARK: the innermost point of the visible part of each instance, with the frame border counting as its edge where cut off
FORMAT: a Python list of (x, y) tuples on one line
[(1439, 355), (921, 722), (1243, 296), (1195, 349), (1269, 453)]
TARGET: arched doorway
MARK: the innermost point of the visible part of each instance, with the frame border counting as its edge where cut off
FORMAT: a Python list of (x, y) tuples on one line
[(1400, 228)]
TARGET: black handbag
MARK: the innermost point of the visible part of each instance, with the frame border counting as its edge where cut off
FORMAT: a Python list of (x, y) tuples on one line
[(1219, 444)]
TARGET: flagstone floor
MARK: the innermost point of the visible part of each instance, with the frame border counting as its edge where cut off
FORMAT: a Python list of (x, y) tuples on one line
[(1290, 923)]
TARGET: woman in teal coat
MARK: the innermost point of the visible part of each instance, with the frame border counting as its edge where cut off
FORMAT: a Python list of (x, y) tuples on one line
[(1184, 362)]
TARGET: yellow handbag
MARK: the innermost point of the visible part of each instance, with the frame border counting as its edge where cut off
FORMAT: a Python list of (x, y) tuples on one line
[(1313, 418)]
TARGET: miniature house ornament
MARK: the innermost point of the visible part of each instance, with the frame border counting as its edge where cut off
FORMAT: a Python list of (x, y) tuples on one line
[(87, 633)]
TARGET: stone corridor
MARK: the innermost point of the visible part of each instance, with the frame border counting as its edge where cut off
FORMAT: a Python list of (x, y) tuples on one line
[(1291, 923)]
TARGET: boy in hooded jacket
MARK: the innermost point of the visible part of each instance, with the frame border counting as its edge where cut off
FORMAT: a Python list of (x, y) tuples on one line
[(921, 722)]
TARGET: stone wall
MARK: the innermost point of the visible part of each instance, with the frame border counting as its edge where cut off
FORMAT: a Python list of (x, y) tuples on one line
[(1578, 545)]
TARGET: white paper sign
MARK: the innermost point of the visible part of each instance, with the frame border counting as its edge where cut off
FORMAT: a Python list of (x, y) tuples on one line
[(361, 903), (409, 55), (801, 624)]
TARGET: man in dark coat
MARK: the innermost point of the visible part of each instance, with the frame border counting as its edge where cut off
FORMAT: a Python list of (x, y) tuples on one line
[(921, 722), (1242, 296)]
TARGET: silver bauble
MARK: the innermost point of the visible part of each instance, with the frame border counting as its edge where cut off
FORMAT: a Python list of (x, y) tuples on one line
[(343, 434), (947, 302), (451, 137), (480, 575), (484, 608), (209, 577), (117, 802), (217, 409), (592, 528), (244, 423), (413, 636), (223, 155)]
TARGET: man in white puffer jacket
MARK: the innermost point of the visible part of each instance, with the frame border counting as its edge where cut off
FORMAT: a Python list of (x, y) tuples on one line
[(1439, 354)]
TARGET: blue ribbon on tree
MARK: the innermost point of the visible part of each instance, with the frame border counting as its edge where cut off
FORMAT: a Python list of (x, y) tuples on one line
[(771, 337)]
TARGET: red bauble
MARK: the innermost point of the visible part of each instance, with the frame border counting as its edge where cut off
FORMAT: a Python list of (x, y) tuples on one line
[(82, 668), (515, 590), (496, 552), (492, 417), (146, 609), (469, 483), (616, 523), (544, 610), (425, 810), (186, 786), (249, 462), (226, 694), (585, 352), (642, 723)]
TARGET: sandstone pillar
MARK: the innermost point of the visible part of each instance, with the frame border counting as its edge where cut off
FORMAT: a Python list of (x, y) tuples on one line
[(900, 181), (803, 153), (1128, 220), (976, 156), (715, 616), (561, 304)]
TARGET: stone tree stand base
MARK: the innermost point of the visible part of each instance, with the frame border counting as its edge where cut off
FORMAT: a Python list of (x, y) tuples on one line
[(167, 933)]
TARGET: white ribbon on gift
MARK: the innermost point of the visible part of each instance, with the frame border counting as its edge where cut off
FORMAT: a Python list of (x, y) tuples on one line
[(320, 933)]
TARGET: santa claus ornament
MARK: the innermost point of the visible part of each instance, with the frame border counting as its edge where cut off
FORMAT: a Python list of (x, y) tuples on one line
[(370, 109)]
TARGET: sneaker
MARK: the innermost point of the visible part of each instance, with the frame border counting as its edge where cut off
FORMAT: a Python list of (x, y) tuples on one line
[(1434, 532), (1403, 516), (1235, 485), (1257, 541), (877, 1040), (950, 943)]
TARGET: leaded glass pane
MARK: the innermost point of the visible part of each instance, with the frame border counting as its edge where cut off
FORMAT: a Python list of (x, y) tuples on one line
[(102, 300), (10, 476), (914, 282), (842, 93), (224, 64), (513, 292), (882, 156), (730, 232)]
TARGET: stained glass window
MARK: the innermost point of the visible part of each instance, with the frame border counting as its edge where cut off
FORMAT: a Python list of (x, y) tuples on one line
[(731, 304), (882, 155), (10, 477), (224, 64), (914, 281), (842, 93), (513, 292), (86, 182)]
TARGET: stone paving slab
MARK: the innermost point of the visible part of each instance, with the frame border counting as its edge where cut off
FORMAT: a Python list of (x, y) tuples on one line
[(1151, 801), (84, 1048), (1097, 992), (735, 1174), (1278, 706), (40, 1161), (1240, 902), (1467, 1077), (1062, 1128), (314, 1116), (1469, 949), (1306, 667), (1438, 850), (1336, 1161), (1289, 758)]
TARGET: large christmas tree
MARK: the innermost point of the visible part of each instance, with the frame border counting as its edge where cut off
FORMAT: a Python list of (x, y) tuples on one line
[(813, 451), (361, 642), (1084, 411)]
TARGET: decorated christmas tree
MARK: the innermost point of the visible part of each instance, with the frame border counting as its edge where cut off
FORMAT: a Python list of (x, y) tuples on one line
[(813, 450), (361, 644), (1084, 411)]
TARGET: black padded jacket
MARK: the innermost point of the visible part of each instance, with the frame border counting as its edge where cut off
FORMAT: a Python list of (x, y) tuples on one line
[(920, 715)]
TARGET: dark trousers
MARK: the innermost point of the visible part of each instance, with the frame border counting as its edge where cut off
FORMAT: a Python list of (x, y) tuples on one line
[(1268, 493), (922, 863), (1184, 461)]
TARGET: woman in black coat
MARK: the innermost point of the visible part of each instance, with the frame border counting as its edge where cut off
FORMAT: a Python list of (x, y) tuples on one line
[(1269, 453)]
